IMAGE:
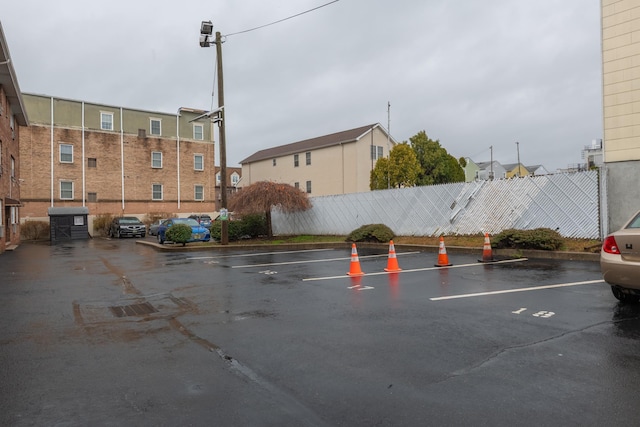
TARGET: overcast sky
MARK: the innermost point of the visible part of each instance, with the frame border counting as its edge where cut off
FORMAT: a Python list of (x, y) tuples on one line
[(471, 74)]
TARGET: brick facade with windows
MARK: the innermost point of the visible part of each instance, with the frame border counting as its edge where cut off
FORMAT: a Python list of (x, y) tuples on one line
[(12, 117), (112, 171)]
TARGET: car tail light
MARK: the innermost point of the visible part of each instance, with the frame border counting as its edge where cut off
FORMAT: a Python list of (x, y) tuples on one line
[(610, 246)]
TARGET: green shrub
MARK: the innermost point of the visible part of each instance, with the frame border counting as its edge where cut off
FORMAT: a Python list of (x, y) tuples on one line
[(254, 225), (34, 230), (101, 224), (539, 238), (179, 233), (371, 233), (251, 226)]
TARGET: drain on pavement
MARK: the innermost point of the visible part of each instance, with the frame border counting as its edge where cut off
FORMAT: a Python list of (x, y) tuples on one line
[(133, 310)]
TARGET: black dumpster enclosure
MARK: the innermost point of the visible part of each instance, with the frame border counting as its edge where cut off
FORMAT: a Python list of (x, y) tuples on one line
[(68, 224)]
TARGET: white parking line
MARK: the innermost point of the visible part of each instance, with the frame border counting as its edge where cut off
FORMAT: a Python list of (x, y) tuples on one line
[(258, 254), (475, 264), (508, 291), (317, 260)]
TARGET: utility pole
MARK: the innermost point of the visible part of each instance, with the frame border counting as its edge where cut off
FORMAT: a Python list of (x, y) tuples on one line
[(388, 144), (206, 29), (491, 164), (224, 237), (518, 149)]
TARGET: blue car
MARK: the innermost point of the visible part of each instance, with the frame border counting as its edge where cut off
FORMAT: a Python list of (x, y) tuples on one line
[(198, 232)]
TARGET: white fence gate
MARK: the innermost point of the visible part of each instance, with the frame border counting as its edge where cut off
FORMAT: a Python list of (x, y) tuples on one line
[(568, 203)]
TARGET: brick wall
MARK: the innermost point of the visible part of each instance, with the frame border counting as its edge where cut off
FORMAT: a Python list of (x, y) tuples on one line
[(9, 187)]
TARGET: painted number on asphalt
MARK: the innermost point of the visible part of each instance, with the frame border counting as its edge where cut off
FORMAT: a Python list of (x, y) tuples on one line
[(543, 314), (268, 272)]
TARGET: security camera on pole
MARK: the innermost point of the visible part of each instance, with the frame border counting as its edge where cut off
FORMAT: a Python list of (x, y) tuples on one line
[(206, 30)]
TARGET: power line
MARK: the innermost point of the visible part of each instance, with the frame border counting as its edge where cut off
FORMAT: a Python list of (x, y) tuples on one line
[(281, 20)]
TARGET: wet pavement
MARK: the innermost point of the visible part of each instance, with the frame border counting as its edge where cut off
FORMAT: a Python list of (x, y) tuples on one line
[(110, 332)]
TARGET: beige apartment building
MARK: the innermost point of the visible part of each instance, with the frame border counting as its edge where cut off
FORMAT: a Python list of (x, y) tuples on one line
[(115, 160), (338, 163), (621, 108), (12, 116)]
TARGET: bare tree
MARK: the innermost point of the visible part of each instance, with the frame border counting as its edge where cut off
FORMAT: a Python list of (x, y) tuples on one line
[(260, 197)]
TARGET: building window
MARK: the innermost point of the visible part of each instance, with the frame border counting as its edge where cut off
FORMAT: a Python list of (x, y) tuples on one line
[(296, 160), (274, 162), (15, 218), (198, 132), (92, 162), (92, 197), (308, 158), (198, 192), (1, 212), (156, 159), (66, 190), (156, 192), (13, 167), (155, 127), (218, 178), (106, 121), (376, 152), (308, 186), (235, 179), (296, 184), (198, 162), (66, 153)]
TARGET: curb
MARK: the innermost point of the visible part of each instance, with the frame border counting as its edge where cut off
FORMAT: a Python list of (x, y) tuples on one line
[(508, 253)]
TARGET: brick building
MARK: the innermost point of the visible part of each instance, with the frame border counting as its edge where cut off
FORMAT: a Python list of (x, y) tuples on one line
[(12, 117), (115, 160)]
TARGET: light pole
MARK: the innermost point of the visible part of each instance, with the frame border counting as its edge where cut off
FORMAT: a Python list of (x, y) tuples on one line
[(206, 30)]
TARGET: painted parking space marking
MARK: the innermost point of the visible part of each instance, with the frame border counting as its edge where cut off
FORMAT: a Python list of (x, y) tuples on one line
[(316, 260), (508, 291), (258, 254), (414, 270)]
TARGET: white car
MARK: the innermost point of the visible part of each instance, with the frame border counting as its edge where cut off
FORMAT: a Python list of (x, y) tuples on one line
[(620, 261), (153, 228)]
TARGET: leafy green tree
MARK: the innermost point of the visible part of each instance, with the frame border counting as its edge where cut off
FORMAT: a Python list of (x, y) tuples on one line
[(437, 165), (401, 169)]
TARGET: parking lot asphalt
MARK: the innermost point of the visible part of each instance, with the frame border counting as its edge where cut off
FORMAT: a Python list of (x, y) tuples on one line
[(110, 332)]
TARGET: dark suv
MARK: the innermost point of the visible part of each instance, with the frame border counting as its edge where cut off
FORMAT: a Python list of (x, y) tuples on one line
[(203, 219), (127, 226)]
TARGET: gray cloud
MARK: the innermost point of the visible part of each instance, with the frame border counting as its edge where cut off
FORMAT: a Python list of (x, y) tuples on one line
[(471, 74)]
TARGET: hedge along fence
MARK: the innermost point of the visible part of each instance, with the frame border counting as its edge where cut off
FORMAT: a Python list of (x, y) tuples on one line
[(567, 203)]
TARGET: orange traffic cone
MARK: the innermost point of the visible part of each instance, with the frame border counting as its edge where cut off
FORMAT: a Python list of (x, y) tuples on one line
[(443, 259), (354, 268), (487, 254), (392, 263)]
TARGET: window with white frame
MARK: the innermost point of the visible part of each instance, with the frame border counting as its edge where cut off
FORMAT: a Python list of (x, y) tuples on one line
[(106, 121), (308, 157), (66, 190), (66, 153), (296, 160), (15, 218), (377, 152), (296, 184), (156, 192), (198, 162), (198, 192), (198, 132), (274, 162), (235, 179), (218, 178), (308, 186), (155, 128), (156, 159)]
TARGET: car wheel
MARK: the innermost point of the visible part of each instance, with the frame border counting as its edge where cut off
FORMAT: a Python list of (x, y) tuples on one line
[(160, 239), (624, 297)]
